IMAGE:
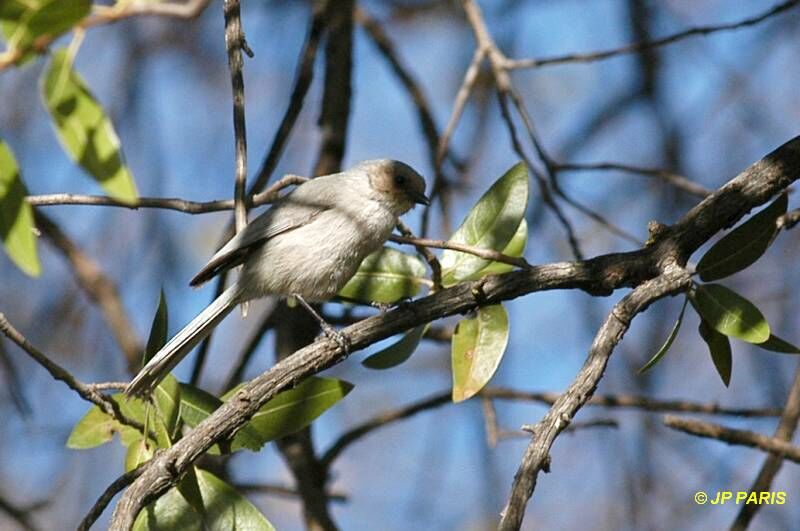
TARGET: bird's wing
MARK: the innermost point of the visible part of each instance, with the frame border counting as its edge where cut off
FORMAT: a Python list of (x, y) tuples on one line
[(286, 215)]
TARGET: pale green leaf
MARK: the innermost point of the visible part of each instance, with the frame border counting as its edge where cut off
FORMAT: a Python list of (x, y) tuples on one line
[(225, 509), (490, 224), (94, 429), (167, 398), (730, 314), (515, 248), (386, 276), (744, 245), (720, 349), (16, 216), (668, 343), (84, 129), (478, 346), (139, 452), (397, 352)]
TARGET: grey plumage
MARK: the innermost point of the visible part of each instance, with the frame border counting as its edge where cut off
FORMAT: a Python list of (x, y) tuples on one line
[(309, 243)]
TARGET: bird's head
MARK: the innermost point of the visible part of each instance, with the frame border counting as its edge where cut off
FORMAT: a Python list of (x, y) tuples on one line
[(396, 184)]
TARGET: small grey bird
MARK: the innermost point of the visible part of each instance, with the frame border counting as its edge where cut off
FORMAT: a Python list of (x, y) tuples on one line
[(307, 245)]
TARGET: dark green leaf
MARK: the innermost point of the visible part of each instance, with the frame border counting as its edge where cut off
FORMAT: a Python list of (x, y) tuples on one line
[(290, 411), (189, 487), (16, 216), (478, 346), (720, 349), (491, 224), (386, 276), (84, 129), (668, 343), (776, 344), (729, 313), (197, 404), (158, 329), (397, 352), (225, 509), (23, 21), (744, 245)]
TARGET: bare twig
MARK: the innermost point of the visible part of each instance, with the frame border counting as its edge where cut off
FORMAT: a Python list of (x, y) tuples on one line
[(752, 439), (21, 515), (772, 464), (234, 44), (678, 181), (282, 491), (637, 47), (180, 205), (85, 391), (433, 262), (105, 498), (488, 254), (105, 15)]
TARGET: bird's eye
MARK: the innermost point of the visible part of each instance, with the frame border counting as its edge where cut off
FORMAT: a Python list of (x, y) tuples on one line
[(399, 180)]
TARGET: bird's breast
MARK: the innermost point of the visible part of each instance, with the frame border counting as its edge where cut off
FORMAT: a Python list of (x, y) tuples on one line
[(317, 259)]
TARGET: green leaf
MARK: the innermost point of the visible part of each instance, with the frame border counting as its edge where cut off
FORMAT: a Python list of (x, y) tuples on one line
[(668, 343), (776, 344), (397, 352), (224, 509), (720, 348), (491, 224), (94, 429), (386, 276), (84, 129), (139, 452), (291, 411), (515, 248), (196, 405), (729, 313), (23, 21), (16, 216), (478, 346), (189, 487), (744, 245), (158, 330)]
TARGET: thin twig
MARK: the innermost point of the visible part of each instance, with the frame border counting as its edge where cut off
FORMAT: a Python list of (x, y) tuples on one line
[(433, 262), (752, 439), (105, 498), (102, 15), (85, 391), (640, 46), (234, 44), (282, 491), (487, 254), (678, 181), (180, 205)]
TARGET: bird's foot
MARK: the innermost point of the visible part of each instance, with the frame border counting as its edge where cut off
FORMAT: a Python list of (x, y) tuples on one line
[(342, 340)]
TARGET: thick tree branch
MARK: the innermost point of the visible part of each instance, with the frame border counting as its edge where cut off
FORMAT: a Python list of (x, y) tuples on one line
[(600, 275)]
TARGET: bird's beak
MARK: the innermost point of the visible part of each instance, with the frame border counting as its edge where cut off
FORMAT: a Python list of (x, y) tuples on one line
[(419, 198)]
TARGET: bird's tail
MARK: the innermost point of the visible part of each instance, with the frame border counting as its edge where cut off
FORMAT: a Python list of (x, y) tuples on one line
[(184, 341)]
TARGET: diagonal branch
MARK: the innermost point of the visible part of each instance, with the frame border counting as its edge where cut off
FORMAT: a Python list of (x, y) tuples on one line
[(560, 415)]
